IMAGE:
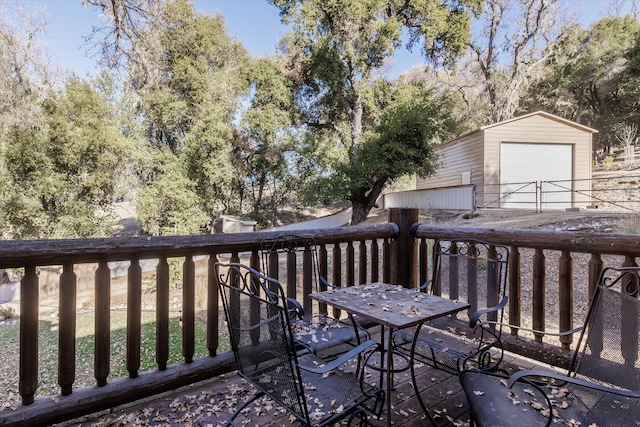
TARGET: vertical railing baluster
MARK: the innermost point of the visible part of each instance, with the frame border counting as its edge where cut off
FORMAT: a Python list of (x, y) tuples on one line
[(436, 286), (234, 297), (291, 267), (595, 269), (103, 323), (514, 289), (362, 262), (472, 284), (375, 261), (188, 308), (539, 292), (565, 283), (67, 330), (162, 313), (213, 329), (596, 335), (493, 282), (336, 268), (323, 267), (423, 264), (454, 270), (386, 260), (308, 270), (350, 264), (629, 318), (134, 317), (629, 261), (29, 300)]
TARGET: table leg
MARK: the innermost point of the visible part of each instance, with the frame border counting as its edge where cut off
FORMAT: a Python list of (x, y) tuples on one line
[(414, 380), (389, 373)]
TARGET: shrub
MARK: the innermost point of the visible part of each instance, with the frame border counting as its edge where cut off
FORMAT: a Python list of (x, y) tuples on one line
[(7, 312), (607, 162)]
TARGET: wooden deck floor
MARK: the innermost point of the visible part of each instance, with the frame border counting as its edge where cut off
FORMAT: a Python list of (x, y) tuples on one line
[(211, 403)]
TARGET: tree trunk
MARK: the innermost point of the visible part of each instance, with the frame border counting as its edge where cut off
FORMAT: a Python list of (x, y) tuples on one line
[(359, 213), (363, 200)]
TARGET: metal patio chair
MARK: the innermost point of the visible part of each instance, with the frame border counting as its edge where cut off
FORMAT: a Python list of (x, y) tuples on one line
[(296, 259), (471, 271), (602, 385), (315, 392)]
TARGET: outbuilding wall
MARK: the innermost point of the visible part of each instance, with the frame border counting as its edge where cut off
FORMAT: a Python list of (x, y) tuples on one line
[(478, 154)]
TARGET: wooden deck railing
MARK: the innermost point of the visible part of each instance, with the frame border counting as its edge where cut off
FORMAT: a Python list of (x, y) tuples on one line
[(551, 278), (373, 244), (395, 252)]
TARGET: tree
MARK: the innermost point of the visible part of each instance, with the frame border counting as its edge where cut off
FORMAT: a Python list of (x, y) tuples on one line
[(515, 39), (26, 71), (334, 52), (267, 147), (64, 176), (590, 78), (187, 74)]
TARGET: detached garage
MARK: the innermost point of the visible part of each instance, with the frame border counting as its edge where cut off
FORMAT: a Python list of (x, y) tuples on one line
[(535, 161)]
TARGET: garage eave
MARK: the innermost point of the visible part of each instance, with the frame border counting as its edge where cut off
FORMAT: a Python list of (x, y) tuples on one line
[(546, 115)]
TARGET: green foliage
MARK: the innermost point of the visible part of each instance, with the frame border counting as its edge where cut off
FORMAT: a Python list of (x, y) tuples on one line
[(190, 112), (267, 147), (65, 176), (168, 204), (590, 79), (333, 53), (607, 162)]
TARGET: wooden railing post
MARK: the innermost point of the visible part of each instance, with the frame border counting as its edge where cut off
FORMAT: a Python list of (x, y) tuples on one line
[(350, 264), (29, 296), (539, 292), (565, 283), (188, 308), (213, 302), (134, 317), (162, 313), (595, 269), (336, 266), (67, 331), (103, 323), (362, 262), (514, 290), (375, 261), (404, 252)]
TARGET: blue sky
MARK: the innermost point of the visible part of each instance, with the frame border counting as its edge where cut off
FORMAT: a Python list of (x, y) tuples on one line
[(254, 22)]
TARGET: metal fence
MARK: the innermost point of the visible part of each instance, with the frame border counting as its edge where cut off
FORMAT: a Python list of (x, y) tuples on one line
[(619, 193)]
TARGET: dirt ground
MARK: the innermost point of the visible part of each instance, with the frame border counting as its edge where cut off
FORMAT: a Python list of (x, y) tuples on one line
[(585, 220)]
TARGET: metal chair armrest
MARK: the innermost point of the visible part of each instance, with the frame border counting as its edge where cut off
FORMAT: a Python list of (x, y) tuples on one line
[(476, 316), (296, 310), (571, 380), (326, 283), (330, 366), (426, 286)]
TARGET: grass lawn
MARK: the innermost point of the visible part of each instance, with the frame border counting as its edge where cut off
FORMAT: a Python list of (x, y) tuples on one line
[(48, 350)]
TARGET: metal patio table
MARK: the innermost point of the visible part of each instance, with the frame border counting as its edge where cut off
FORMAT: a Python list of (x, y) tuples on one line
[(391, 306)]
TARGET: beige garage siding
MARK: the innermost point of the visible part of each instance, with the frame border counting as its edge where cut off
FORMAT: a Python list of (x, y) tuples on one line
[(544, 130), (479, 153), (456, 158)]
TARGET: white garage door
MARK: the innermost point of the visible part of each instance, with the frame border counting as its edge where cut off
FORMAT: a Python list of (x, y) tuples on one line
[(523, 165)]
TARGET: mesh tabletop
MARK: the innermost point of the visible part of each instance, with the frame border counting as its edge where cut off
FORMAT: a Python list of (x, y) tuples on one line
[(389, 305)]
